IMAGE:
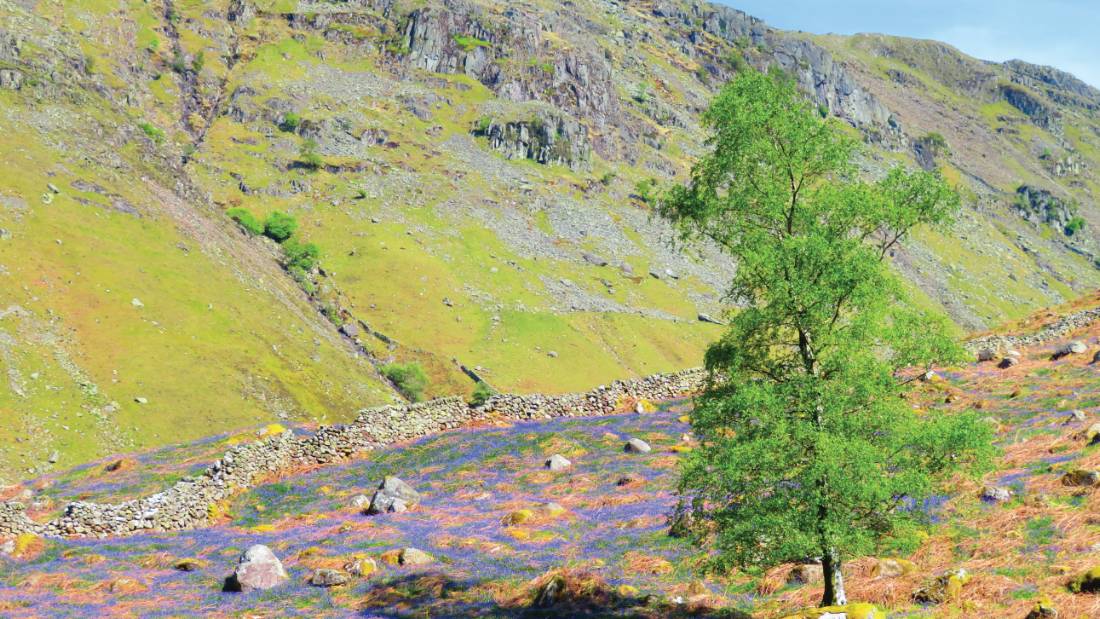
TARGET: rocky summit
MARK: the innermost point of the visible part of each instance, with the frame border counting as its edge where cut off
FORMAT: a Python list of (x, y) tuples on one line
[(377, 308)]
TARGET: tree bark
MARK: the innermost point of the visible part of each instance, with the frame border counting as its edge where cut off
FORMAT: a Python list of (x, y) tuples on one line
[(834, 580)]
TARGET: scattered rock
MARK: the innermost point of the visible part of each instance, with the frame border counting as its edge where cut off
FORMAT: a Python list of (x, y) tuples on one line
[(361, 567), (1043, 609), (393, 496), (189, 565), (1076, 347), (349, 329), (996, 494), (638, 446), (360, 501), (707, 318), (54, 457), (553, 354), (136, 302), (805, 574), (594, 259), (407, 556), (1089, 582), (986, 354), (519, 516), (1096, 357), (141, 400), (1093, 433), (323, 577), (257, 570), (126, 585), (1075, 416), (629, 479), (892, 568), (558, 462), (1081, 478), (944, 587)]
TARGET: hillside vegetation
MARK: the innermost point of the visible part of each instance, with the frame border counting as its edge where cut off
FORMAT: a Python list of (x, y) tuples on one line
[(478, 181)]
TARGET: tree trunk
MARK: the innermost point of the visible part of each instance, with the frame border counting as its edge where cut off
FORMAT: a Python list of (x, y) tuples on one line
[(834, 580)]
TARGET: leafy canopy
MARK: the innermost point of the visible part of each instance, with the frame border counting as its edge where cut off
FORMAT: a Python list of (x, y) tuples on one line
[(808, 447)]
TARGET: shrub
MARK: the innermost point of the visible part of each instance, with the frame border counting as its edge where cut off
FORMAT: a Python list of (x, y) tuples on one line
[(279, 226), (1075, 225), (179, 63), (246, 220), (308, 155), (482, 393), (290, 122), (644, 189), (198, 63), (469, 43), (303, 256), (155, 133), (409, 378)]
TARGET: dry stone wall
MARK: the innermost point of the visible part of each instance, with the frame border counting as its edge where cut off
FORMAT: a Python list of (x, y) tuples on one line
[(190, 502), (1054, 331)]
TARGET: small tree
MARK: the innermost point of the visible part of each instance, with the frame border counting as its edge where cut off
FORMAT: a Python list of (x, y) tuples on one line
[(300, 256), (409, 378), (808, 448), (308, 155), (482, 393), (279, 226), (246, 220)]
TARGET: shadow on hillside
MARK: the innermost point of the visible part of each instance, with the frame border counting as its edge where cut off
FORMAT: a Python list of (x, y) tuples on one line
[(553, 595)]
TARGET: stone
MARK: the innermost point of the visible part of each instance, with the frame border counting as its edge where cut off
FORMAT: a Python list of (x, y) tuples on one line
[(944, 587), (638, 446), (7, 548), (639, 408), (805, 574), (1096, 357), (707, 318), (1089, 582), (414, 556), (360, 501), (361, 567), (1093, 433), (594, 259), (136, 302), (258, 569), (553, 354), (892, 568), (54, 457), (126, 585), (1042, 610), (986, 354), (996, 494), (558, 462), (323, 577), (141, 400), (1081, 478), (1076, 347), (393, 496), (1075, 416), (349, 329), (189, 565)]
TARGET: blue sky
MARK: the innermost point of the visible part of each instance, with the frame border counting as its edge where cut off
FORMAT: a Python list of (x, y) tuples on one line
[(1060, 33)]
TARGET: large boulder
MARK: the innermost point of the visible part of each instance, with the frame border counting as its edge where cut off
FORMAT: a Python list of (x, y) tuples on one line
[(1076, 347), (1081, 478), (258, 569), (393, 496), (637, 446)]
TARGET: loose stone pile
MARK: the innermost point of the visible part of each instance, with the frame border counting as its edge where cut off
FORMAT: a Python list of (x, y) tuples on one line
[(189, 502)]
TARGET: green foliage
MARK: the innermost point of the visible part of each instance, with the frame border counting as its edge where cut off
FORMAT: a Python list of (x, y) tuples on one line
[(198, 62), (155, 133), (482, 393), (409, 378), (642, 93), (936, 142), (246, 220), (279, 226), (807, 446), (179, 63), (308, 155), (290, 122), (736, 62), (1074, 225), (644, 189), (300, 256), (469, 43), (608, 177), (483, 125)]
